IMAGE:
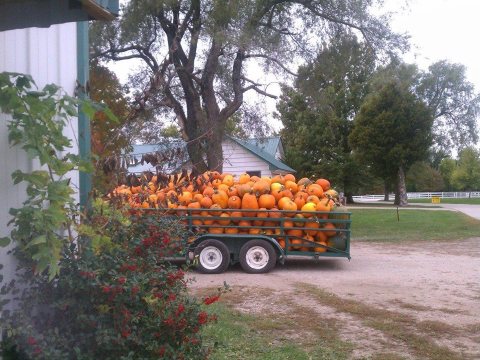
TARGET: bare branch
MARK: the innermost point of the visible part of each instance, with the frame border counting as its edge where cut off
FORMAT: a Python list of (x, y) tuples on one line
[(253, 87), (278, 62)]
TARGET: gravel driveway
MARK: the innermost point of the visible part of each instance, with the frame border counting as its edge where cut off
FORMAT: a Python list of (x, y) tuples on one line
[(437, 281)]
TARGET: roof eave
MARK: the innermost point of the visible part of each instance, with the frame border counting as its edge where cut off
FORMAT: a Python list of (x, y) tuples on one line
[(96, 11)]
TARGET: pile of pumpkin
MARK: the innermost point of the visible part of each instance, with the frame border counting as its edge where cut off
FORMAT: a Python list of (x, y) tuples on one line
[(222, 203)]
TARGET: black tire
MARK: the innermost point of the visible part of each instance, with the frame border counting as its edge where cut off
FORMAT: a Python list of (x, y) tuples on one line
[(213, 257), (257, 257)]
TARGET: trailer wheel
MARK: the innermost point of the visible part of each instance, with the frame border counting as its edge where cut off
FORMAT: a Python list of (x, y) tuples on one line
[(257, 257), (213, 257)]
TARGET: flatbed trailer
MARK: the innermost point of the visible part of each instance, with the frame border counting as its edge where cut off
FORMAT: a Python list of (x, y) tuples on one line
[(258, 247)]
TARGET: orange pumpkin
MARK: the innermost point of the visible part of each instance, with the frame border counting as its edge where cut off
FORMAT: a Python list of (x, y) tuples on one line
[(313, 198), (249, 202), (217, 208), (331, 230), (231, 231), (215, 229), (206, 202), (274, 213), (220, 197), (244, 189), (234, 202), (277, 194), (224, 187), (324, 183), (313, 225), (291, 185), (320, 236), (225, 219), (297, 222), (304, 182), (315, 189), (236, 216), (228, 180), (320, 249), (287, 193), (208, 191), (266, 201), (244, 225), (261, 215), (232, 191), (194, 206), (261, 187), (279, 179), (300, 201), (243, 179)]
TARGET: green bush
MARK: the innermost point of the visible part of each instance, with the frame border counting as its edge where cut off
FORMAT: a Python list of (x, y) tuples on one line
[(114, 298)]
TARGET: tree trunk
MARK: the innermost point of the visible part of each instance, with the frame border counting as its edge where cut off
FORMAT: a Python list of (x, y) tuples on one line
[(386, 191), (349, 198), (196, 157), (401, 189), (214, 150)]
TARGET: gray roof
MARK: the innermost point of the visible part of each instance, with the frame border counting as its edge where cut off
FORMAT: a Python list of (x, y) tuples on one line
[(268, 145), (274, 164)]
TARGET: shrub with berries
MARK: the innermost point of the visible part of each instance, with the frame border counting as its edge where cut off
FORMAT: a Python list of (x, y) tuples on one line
[(115, 298)]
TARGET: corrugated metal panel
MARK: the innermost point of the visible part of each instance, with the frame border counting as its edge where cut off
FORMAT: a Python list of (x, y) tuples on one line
[(48, 55)]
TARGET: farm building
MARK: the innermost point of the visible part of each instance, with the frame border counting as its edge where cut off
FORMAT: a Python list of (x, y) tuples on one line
[(261, 157)]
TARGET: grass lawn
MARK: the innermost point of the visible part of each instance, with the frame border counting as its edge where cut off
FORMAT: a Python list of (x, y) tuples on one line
[(272, 336), (383, 225), (301, 333), (471, 201)]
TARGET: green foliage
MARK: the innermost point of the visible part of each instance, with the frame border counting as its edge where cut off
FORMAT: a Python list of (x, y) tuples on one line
[(392, 129), (454, 103), (107, 135), (38, 117), (446, 168), (422, 177), (50, 214), (196, 54), (466, 175), (317, 115), (115, 301)]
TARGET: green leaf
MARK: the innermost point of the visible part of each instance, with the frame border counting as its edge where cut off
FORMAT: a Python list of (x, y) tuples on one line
[(41, 239), (23, 82), (4, 241)]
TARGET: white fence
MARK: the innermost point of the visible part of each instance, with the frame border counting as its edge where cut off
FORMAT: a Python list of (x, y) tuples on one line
[(423, 195)]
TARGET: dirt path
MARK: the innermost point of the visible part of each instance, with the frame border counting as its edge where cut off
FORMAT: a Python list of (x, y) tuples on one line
[(436, 282)]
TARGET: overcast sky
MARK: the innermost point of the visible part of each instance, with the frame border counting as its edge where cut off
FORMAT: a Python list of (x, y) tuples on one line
[(441, 29)]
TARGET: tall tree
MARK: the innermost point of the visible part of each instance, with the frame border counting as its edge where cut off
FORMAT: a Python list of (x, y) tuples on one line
[(391, 132), (106, 88), (197, 52), (446, 168), (317, 114), (466, 175), (423, 177), (455, 106)]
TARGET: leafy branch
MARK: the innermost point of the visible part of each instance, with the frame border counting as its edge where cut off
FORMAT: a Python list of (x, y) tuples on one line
[(46, 222)]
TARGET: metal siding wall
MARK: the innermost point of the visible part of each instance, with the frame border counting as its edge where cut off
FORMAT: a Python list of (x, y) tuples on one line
[(49, 56)]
